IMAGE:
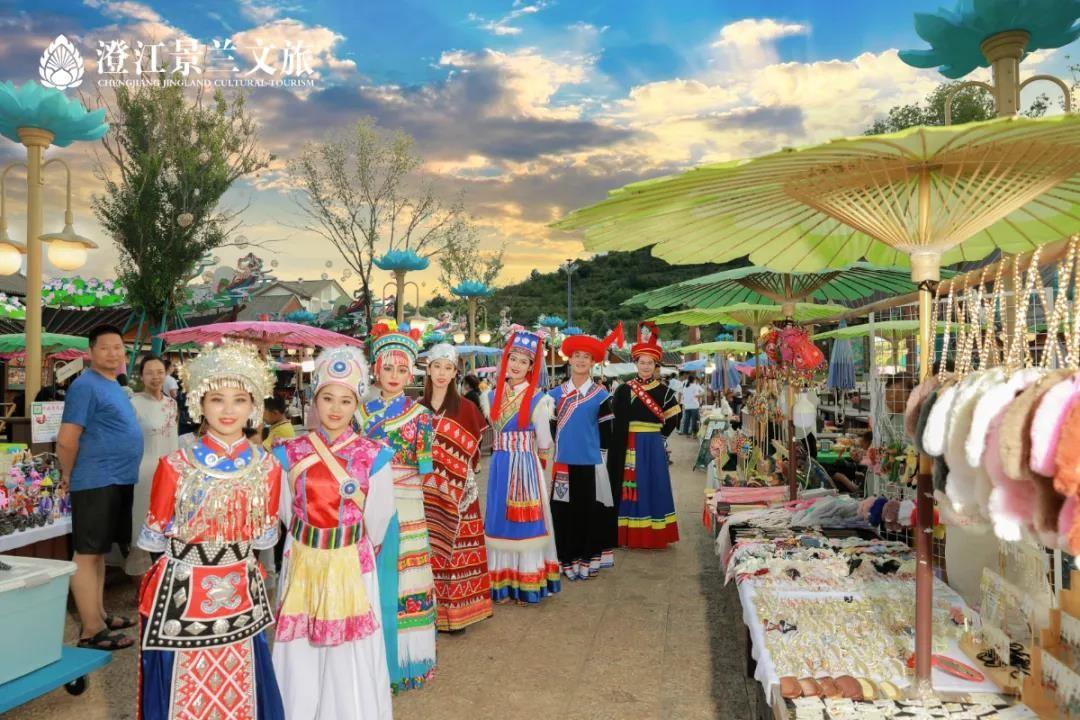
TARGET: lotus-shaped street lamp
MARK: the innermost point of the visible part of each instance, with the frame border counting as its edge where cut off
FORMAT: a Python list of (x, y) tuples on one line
[(400, 262), (472, 291), (406, 260), (472, 288), (31, 106), (551, 321), (37, 117), (997, 34)]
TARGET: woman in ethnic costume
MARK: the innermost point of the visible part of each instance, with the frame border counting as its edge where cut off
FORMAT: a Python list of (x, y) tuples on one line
[(582, 497), (646, 412), (522, 560), (329, 655), (406, 585), (451, 500), (203, 604)]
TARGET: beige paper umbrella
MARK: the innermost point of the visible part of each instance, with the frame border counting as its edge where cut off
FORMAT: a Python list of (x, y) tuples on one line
[(932, 194), (920, 197)]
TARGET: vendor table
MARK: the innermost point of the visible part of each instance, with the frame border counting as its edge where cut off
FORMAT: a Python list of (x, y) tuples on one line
[(766, 674), (31, 536), (70, 671)]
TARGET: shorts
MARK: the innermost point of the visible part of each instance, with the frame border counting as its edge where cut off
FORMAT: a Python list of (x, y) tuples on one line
[(101, 517)]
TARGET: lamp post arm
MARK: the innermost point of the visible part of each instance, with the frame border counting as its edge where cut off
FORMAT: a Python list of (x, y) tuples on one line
[(68, 217), (1057, 81), (3, 192), (970, 83)]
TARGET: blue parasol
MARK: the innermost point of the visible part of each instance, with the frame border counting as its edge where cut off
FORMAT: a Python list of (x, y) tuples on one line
[(841, 366)]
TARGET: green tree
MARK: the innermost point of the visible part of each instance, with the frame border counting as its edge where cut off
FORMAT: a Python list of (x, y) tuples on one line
[(462, 260), (363, 191), (969, 104), (168, 160)]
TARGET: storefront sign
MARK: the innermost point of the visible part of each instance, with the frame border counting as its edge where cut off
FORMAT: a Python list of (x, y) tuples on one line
[(63, 372), (45, 421)]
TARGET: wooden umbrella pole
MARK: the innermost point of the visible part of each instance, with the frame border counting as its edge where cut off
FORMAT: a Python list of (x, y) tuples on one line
[(925, 272), (1050, 254)]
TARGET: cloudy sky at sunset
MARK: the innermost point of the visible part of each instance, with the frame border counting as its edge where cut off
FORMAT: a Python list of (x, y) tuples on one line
[(529, 107)]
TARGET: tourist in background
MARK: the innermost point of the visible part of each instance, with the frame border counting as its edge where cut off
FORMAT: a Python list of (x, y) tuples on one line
[(472, 390), (158, 420), (691, 394), (100, 447), (279, 426)]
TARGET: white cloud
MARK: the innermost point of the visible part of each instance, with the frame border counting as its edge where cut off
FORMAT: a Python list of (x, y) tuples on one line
[(753, 31), (319, 43), (528, 80), (751, 42), (503, 26), (258, 11), (124, 10)]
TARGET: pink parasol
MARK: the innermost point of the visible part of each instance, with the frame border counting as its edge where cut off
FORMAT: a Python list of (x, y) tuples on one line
[(68, 355), (260, 332)]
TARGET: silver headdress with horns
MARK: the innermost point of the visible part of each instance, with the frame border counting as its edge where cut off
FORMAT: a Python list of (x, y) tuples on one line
[(233, 365)]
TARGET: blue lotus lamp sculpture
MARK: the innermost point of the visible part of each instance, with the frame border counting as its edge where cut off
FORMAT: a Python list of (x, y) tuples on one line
[(551, 321), (400, 262), (33, 106), (403, 260), (997, 34), (472, 289)]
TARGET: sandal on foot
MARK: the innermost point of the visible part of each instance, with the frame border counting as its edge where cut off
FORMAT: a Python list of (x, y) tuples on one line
[(118, 622), (106, 640)]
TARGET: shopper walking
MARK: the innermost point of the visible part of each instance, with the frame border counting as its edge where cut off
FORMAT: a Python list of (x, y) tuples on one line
[(691, 394)]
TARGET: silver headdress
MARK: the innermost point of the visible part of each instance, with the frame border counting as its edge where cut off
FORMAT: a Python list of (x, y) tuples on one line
[(443, 351), (229, 365)]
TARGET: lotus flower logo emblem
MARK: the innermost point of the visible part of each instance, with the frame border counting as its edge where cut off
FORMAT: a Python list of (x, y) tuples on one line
[(61, 65)]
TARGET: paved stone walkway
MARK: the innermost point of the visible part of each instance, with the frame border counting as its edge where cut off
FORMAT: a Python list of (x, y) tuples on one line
[(657, 637)]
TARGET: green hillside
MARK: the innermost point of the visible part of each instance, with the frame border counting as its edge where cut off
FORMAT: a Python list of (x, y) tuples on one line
[(600, 285)]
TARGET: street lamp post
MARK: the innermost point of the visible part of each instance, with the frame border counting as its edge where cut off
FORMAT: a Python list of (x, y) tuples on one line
[(37, 117), (569, 267)]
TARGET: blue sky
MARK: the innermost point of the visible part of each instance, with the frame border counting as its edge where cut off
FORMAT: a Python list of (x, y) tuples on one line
[(529, 108)]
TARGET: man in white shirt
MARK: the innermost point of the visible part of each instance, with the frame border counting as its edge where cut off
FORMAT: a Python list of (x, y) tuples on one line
[(172, 386), (691, 404)]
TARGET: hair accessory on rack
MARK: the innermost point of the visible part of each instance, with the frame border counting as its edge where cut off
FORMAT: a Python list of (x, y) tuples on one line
[(914, 404), (1047, 422)]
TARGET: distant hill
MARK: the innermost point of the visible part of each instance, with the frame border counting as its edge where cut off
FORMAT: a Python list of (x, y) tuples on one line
[(600, 285)]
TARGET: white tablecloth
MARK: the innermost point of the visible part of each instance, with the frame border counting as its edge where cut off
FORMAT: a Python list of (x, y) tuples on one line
[(22, 538), (766, 673)]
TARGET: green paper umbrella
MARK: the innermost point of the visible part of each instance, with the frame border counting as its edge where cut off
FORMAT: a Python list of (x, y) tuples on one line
[(755, 316), (720, 346), (888, 327), (50, 342), (939, 194), (757, 285)]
